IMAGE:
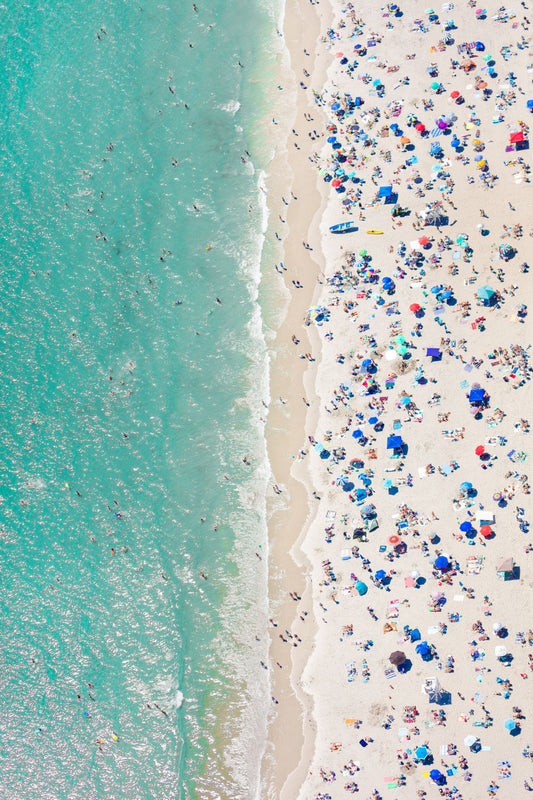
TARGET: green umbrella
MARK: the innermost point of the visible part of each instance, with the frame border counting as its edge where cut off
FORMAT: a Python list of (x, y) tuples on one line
[(402, 350), (400, 339), (363, 252), (429, 11), (435, 85), (487, 58)]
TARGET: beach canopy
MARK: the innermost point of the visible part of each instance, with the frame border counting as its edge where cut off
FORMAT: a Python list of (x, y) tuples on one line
[(485, 293), (516, 137), (476, 395), (393, 442), (442, 563), (433, 352), (384, 191), (361, 588), (397, 658)]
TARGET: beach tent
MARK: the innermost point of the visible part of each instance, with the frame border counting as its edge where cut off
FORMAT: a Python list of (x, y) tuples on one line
[(361, 588), (487, 295), (385, 191), (433, 352), (393, 442), (505, 568), (516, 137), (476, 395), (433, 690)]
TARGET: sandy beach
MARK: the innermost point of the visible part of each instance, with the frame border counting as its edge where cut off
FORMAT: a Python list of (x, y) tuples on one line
[(401, 643)]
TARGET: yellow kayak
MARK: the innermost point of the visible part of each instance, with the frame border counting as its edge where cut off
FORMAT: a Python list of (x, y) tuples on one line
[(376, 232)]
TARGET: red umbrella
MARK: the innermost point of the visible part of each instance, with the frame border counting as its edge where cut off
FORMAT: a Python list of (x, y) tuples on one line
[(455, 94), (479, 450), (420, 127), (336, 182), (394, 539), (485, 530), (423, 241), (414, 307)]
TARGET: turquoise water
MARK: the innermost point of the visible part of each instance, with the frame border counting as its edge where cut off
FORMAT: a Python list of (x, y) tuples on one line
[(130, 396)]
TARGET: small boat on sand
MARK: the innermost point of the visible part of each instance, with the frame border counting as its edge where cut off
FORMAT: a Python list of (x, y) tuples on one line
[(343, 227)]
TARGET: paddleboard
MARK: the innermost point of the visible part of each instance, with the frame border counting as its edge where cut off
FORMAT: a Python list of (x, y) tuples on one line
[(376, 232)]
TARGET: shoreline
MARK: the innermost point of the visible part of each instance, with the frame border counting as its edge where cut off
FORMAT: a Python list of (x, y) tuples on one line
[(289, 743)]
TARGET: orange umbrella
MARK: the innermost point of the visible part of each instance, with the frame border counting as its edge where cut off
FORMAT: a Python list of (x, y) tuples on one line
[(405, 140)]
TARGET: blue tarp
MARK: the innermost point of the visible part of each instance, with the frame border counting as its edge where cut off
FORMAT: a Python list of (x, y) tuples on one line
[(393, 442)]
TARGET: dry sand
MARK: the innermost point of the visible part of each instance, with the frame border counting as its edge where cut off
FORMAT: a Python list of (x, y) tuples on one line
[(315, 748)]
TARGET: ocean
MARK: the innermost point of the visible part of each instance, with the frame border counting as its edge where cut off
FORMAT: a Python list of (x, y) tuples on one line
[(134, 371)]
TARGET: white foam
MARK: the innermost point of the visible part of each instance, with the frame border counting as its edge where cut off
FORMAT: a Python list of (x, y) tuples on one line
[(232, 106)]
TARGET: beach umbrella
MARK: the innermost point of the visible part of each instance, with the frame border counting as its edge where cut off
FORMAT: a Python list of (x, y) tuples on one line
[(423, 241), (510, 725), (435, 289), (415, 308), (367, 510), (479, 46), (361, 588), (455, 94), (421, 752), (381, 574), (336, 182), (442, 563), (496, 627), (442, 124), (497, 496), (435, 775), (363, 252), (397, 658), (465, 526), (485, 530), (367, 362), (405, 140), (435, 85), (470, 740), (415, 574), (335, 106), (529, 104), (479, 450), (466, 486), (402, 350), (331, 139), (387, 483), (455, 142), (394, 539), (429, 11)]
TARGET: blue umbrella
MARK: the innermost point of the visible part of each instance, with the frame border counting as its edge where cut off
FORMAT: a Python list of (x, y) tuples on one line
[(387, 483), (435, 289), (422, 752), (366, 510), (347, 487), (465, 527), (435, 775), (442, 562), (422, 649), (335, 106), (380, 574), (529, 104), (367, 362), (332, 139), (377, 82), (361, 587), (373, 420), (480, 47), (393, 126), (357, 434), (466, 486), (455, 142), (509, 725)]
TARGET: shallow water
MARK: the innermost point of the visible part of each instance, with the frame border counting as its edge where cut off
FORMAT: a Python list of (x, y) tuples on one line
[(129, 394)]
